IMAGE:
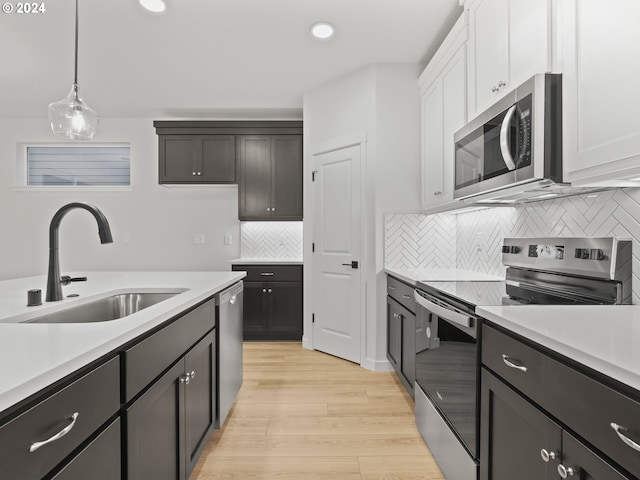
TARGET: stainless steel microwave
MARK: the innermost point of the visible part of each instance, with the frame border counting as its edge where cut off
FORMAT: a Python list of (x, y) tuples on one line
[(515, 143)]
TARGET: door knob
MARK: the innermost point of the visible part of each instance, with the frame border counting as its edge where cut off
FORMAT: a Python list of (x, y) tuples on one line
[(353, 264)]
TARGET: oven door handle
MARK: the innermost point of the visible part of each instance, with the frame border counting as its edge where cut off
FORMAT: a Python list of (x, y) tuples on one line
[(443, 312), (504, 139)]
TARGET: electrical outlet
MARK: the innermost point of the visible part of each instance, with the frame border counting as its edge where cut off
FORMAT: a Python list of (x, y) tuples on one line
[(227, 239), (198, 238)]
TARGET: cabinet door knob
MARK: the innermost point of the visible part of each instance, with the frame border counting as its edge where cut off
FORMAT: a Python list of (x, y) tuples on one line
[(273, 209), (193, 173), (565, 472), (268, 209), (264, 290), (494, 89), (185, 379), (270, 290), (547, 455), (193, 374), (199, 173), (501, 84)]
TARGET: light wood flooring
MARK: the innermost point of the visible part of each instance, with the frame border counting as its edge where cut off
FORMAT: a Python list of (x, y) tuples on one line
[(305, 415)]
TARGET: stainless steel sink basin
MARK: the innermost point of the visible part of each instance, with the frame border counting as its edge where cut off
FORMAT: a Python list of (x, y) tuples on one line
[(105, 309)]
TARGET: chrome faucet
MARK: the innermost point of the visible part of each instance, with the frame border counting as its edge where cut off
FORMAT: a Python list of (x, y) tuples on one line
[(54, 281)]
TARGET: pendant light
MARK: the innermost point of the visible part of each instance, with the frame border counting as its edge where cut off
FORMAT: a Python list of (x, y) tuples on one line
[(71, 118)]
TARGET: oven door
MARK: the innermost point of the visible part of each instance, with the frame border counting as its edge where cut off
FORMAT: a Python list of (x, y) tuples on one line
[(448, 370)]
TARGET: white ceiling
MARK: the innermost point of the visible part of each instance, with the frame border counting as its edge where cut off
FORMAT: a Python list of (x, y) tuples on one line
[(206, 58)]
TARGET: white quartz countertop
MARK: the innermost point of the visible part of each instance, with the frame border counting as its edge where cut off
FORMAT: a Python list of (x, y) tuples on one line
[(413, 275), (604, 338), (267, 261), (35, 355)]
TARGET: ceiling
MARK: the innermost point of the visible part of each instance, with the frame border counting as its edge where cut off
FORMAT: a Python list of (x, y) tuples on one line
[(206, 58)]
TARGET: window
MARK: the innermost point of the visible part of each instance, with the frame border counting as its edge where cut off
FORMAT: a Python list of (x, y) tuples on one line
[(89, 165)]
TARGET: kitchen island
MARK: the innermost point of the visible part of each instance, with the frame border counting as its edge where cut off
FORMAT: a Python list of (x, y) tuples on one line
[(88, 381)]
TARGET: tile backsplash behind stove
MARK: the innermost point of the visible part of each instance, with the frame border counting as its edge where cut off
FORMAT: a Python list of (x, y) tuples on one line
[(472, 240), (271, 240)]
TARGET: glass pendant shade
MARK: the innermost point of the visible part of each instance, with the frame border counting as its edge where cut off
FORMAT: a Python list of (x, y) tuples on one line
[(71, 118)]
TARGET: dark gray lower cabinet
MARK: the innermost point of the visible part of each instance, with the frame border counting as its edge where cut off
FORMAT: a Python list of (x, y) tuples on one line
[(522, 389), (169, 424), (513, 434), (401, 342), (100, 460), (272, 302)]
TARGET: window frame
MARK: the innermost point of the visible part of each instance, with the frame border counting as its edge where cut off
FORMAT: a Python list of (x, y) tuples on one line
[(22, 168)]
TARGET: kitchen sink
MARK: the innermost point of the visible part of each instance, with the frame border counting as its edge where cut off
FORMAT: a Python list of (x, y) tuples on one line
[(108, 308)]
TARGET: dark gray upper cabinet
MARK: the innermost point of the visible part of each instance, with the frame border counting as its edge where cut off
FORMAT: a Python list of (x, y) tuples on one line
[(270, 177), (197, 159)]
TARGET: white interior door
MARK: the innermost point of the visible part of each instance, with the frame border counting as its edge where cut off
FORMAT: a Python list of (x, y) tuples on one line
[(337, 243)]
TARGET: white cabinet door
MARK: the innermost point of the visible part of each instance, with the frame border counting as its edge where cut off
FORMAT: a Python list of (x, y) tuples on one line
[(432, 158), (488, 53), (509, 42), (601, 68)]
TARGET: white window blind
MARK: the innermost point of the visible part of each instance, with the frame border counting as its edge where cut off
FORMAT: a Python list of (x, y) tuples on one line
[(79, 165)]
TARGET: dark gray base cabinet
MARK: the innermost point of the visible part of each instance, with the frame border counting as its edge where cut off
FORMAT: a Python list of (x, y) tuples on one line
[(167, 427), (533, 409), (401, 332), (272, 309)]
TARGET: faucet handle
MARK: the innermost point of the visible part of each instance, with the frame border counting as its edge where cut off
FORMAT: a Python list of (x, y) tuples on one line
[(66, 279)]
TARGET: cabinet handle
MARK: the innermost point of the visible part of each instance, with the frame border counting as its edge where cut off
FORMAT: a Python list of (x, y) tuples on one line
[(627, 441), (36, 445), (395, 315), (199, 173), (268, 209), (264, 290), (494, 89), (273, 209), (509, 363), (565, 472), (501, 84), (193, 173), (185, 379), (193, 374), (270, 290), (392, 287), (267, 274), (547, 455), (232, 300), (406, 296)]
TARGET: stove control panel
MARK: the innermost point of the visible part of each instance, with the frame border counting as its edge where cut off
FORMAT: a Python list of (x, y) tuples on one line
[(601, 257)]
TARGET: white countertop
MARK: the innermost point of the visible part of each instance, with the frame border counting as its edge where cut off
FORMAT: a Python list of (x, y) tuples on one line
[(604, 338), (33, 356), (413, 275), (267, 261)]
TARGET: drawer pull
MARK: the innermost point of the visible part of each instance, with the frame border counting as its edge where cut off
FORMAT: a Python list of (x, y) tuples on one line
[(267, 274), (36, 445), (547, 455), (406, 296), (509, 363), (565, 472), (618, 429), (392, 287)]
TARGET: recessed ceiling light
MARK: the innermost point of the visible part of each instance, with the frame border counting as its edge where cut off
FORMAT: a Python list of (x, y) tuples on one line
[(155, 6), (322, 30)]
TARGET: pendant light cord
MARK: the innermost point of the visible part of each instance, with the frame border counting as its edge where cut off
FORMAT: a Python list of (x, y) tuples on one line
[(75, 75)]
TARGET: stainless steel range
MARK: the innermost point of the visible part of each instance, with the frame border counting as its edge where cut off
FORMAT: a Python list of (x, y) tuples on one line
[(573, 271)]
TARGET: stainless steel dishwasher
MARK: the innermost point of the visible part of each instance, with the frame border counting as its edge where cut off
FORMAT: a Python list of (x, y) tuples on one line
[(229, 348)]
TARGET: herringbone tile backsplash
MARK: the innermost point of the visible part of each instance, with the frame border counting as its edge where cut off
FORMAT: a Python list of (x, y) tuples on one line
[(271, 240), (478, 235)]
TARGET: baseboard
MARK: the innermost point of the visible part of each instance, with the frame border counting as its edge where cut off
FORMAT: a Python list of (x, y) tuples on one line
[(377, 365), (306, 343)]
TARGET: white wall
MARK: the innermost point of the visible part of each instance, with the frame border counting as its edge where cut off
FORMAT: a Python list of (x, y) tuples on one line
[(380, 103), (160, 221)]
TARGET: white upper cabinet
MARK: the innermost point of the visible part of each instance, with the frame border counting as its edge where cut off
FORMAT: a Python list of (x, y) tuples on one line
[(443, 86), (509, 42), (601, 97)]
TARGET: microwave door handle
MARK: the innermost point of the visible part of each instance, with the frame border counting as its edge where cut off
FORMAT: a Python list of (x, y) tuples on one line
[(504, 139), (449, 315)]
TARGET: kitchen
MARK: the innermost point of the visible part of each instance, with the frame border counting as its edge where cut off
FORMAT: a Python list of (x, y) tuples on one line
[(377, 106)]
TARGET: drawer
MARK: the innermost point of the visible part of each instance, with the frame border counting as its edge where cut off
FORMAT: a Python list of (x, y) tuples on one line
[(100, 460), (270, 273), (148, 359), (509, 358), (402, 293), (95, 397)]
